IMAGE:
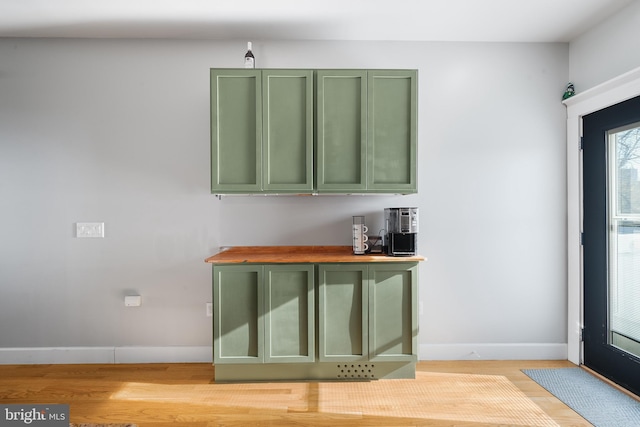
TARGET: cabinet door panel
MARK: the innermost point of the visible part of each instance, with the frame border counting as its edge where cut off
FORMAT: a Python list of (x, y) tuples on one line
[(341, 130), (393, 322), (288, 130), (238, 317), (392, 134), (343, 314), (236, 131), (289, 314)]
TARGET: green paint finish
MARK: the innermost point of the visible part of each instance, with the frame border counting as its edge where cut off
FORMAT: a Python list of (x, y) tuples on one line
[(261, 131), (392, 131), (288, 130), (236, 131), (366, 131), (341, 130), (265, 315), (329, 371), (266, 123), (289, 313), (238, 314), (393, 321), (343, 314)]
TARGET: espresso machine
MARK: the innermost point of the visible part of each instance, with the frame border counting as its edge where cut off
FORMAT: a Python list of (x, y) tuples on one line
[(401, 225)]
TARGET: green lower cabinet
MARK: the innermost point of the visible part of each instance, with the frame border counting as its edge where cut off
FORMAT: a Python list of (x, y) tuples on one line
[(393, 314), (266, 326), (367, 312), (263, 314), (238, 326), (289, 315), (343, 314)]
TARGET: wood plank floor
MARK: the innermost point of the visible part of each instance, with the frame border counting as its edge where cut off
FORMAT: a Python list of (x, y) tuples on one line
[(465, 394)]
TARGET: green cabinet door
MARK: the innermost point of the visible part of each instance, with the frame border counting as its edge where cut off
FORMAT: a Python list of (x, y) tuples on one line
[(341, 130), (368, 312), (236, 131), (263, 313), (238, 326), (287, 130), (393, 319), (261, 131), (289, 313), (343, 312), (366, 131), (392, 131)]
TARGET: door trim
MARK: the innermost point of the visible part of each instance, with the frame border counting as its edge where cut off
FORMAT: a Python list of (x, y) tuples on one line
[(614, 91)]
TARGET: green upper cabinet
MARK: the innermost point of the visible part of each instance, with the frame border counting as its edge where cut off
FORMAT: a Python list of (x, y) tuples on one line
[(307, 131), (236, 131), (261, 131), (287, 124), (366, 131), (392, 131), (341, 130)]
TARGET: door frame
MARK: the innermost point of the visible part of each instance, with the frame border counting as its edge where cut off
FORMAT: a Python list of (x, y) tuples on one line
[(611, 92)]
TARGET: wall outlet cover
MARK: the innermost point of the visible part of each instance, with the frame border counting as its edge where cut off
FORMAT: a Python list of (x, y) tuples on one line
[(89, 229), (132, 301)]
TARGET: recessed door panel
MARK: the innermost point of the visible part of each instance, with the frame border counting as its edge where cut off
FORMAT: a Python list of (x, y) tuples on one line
[(289, 314), (238, 316), (236, 130), (288, 130), (392, 318), (392, 138), (343, 333)]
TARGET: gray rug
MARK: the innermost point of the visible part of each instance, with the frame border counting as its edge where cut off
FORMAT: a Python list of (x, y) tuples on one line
[(595, 400)]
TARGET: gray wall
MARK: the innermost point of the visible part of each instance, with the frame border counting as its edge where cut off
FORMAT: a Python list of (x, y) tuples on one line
[(117, 131), (608, 50)]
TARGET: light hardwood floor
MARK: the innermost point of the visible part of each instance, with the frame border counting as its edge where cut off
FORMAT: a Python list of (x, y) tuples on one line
[(464, 393)]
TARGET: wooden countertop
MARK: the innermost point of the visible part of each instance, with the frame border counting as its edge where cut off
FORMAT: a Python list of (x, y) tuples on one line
[(300, 254)]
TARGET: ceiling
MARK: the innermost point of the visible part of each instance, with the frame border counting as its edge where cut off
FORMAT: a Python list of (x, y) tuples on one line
[(408, 20)]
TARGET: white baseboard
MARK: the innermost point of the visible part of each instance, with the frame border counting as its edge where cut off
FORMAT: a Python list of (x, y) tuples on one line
[(471, 351), (177, 354), (73, 355), (204, 354)]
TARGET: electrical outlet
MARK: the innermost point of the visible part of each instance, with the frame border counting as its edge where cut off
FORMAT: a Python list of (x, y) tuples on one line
[(89, 229), (209, 309), (132, 301)]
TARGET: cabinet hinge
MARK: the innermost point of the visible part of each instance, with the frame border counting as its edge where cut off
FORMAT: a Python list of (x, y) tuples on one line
[(581, 239), (581, 143)]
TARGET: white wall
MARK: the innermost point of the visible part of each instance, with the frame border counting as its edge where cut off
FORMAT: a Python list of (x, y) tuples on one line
[(608, 50), (117, 131)]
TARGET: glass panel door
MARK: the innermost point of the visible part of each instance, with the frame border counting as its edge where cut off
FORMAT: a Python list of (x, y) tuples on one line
[(624, 238)]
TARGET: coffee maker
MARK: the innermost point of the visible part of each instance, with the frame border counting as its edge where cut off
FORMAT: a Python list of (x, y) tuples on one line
[(401, 225)]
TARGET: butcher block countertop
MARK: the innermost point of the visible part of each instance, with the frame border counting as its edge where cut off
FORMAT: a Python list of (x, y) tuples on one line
[(299, 254)]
